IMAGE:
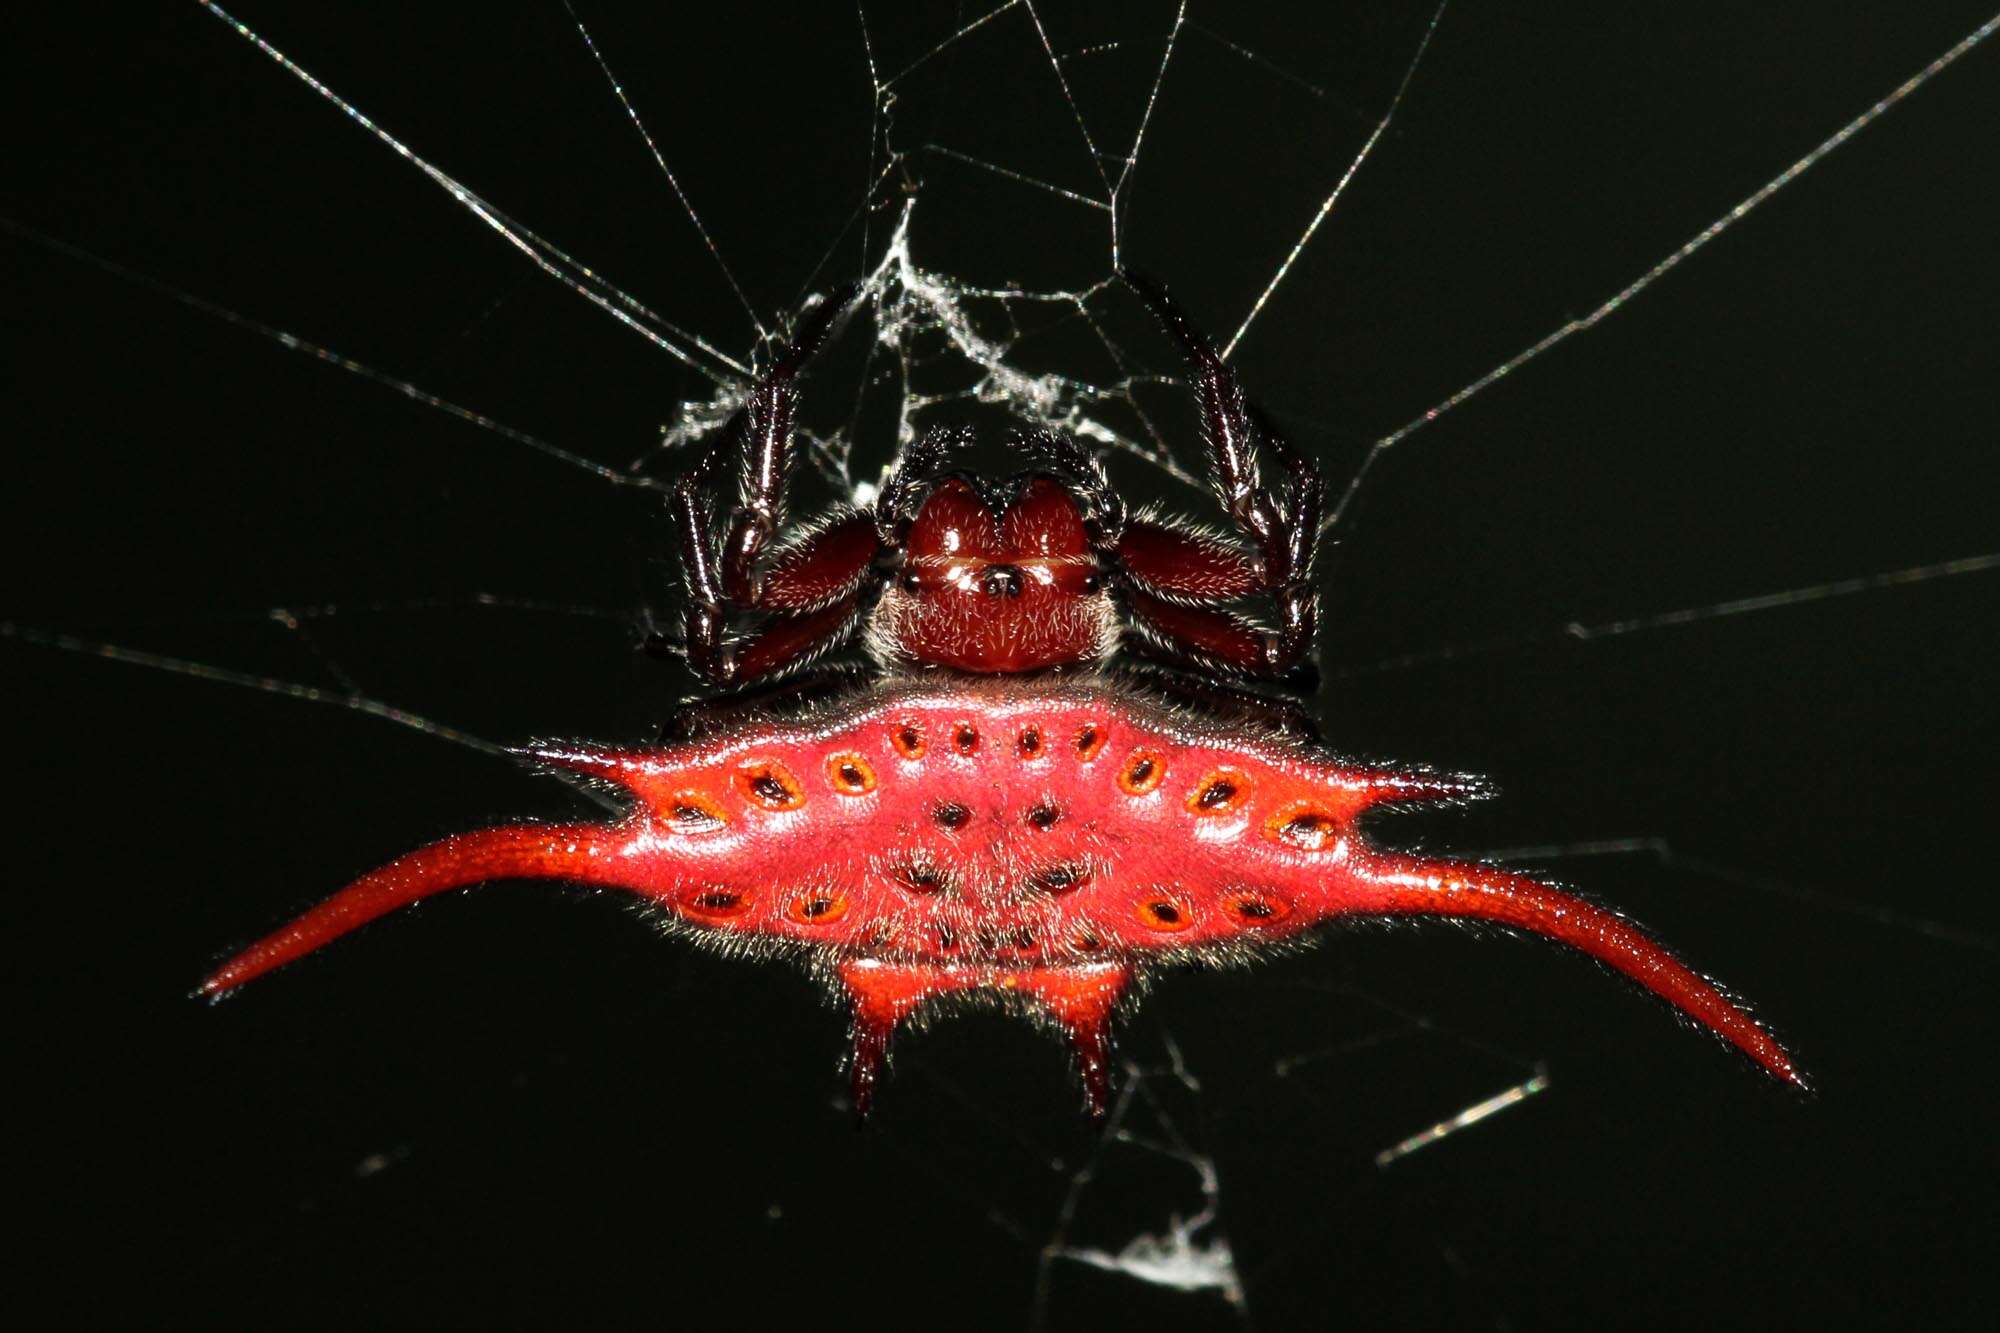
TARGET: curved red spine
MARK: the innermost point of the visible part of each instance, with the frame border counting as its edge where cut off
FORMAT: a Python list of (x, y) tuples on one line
[(1390, 885), (584, 853)]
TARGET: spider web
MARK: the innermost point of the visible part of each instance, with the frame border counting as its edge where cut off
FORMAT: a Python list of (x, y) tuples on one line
[(1290, 1141)]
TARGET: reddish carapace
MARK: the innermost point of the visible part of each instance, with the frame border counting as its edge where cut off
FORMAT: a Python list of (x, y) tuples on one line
[(996, 812)]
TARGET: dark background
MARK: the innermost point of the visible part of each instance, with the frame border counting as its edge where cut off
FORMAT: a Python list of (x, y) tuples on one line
[(523, 1108)]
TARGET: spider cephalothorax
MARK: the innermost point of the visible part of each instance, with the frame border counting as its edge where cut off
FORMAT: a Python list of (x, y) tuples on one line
[(953, 570), (994, 813)]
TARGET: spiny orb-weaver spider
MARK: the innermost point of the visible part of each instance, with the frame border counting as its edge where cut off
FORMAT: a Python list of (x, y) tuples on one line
[(997, 810)]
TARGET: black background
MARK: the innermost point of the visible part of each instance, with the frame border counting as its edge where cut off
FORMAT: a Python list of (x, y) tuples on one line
[(522, 1108)]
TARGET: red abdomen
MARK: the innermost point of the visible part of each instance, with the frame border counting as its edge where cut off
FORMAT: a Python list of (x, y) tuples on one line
[(1036, 843)]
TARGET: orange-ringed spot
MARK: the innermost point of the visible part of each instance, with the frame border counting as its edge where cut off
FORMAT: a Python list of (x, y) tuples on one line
[(1030, 744), (908, 741), (692, 812), (1255, 909), (1165, 914), (769, 784), (817, 907), (850, 774), (1089, 740), (717, 904), (1306, 826), (1222, 792), (1142, 773)]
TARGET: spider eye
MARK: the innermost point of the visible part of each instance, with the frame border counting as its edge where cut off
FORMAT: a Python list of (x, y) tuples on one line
[(1002, 580)]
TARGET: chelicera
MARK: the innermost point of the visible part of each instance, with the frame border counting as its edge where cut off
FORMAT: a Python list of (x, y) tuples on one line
[(1074, 758)]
